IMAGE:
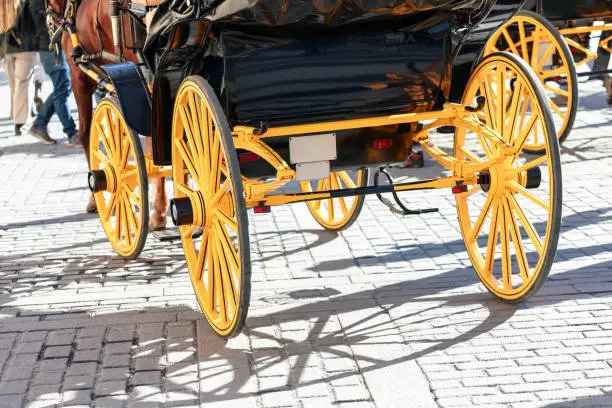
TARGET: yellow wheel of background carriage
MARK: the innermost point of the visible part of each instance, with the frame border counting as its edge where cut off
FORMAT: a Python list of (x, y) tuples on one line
[(209, 194), (538, 42), (337, 213), (118, 179), (511, 220)]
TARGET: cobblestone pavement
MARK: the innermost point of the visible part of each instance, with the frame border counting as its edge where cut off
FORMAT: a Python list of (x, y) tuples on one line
[(386, 314)]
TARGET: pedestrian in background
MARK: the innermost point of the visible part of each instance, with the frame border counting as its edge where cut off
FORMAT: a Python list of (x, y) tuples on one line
[(19, 64), (32, 28)]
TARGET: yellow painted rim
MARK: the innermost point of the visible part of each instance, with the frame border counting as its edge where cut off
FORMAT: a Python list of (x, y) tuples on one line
[(508, 206), (111, 150), (200, 173), (334, 213), (535, 45)]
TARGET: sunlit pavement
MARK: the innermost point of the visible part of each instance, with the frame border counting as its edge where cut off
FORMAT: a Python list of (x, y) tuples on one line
[(386, 314)]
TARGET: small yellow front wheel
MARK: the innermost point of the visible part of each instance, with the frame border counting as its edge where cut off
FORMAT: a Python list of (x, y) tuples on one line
[(336, 214), (207, 183), (511, 219), (122, 197), (538, 42)]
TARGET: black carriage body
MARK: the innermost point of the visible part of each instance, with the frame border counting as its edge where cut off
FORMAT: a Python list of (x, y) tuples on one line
[(284, 63)]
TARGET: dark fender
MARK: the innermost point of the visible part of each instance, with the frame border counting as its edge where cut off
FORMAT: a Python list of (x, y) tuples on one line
[(133, 95), (468, 50), (183, 50)]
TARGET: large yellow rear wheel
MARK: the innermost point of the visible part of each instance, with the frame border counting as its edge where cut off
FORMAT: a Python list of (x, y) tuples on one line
[(337, 213), (207, 180), (117, 163), (511, 220), (538, 42)]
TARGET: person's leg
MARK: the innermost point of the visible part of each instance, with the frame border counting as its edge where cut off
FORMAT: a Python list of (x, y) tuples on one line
[(59, 75), (24, 63), (10, 70)]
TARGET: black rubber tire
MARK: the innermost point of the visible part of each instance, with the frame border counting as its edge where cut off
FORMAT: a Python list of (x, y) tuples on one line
[(555, 158), (144, 185), (232, 164)]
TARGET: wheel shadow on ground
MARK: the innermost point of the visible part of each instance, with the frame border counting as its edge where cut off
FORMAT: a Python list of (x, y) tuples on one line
[(227, 369), (345, 326), (601, 401)]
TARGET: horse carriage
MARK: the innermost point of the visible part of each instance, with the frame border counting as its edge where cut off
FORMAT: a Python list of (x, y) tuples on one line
[(552, 36), (245, 97)]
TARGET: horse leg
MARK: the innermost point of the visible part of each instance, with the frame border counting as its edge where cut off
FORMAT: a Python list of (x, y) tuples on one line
[(158, 216), (83, 90)]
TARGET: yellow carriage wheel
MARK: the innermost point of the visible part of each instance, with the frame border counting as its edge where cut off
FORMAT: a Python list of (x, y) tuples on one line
[(337, 213), (538, 42), (118, 179), (511, 219), (208, 184)]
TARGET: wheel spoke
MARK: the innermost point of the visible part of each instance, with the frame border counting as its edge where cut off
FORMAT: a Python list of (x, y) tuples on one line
[(480, 220), (510, 42), (129, 174), (187, 231), (219, 289), (471, 155), (348, 181), (109, 208), (110, 135), (556, 90), (531, 164), (499, 79), (188, 162), (523, 191), (505, 248), (556, 109), (535, 43), (101, 157), (203, 252), (527, 226), (471, 191), (215, 158), (547, 54), (524, 47), (492, 240), (227, 220), (104, 139), (519, 249), (525, 132), (514, 105), (229, 295)]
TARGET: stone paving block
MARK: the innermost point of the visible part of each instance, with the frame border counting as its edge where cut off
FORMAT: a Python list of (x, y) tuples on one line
[(104, 388), (57, 351), (78, 382), (13, 387)]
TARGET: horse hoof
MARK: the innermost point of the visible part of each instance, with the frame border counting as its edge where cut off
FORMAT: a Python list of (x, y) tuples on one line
[(157, 223), (91, 205)]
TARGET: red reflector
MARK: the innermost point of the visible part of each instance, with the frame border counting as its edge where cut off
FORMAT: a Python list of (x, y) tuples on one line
[(247, 157), (459, 189), (262, 209), (382, 143)]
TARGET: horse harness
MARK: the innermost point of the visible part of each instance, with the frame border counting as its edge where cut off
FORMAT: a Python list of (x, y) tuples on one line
[(58, 23)]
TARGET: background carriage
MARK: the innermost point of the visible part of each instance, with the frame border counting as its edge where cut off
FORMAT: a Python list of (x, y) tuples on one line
[(246, 99), (553, 38)]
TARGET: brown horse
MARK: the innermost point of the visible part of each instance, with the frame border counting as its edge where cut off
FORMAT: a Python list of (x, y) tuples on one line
[(92, 24)]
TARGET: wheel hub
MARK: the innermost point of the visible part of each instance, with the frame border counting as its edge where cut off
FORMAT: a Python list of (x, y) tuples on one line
[(102, 180), (188, 210)]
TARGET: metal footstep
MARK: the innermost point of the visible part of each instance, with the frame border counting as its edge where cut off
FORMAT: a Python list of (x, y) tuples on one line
[(173, 234), (399, 207)]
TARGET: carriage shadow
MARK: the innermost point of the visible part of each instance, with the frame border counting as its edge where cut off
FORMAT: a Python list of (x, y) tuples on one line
[(284, 345)]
